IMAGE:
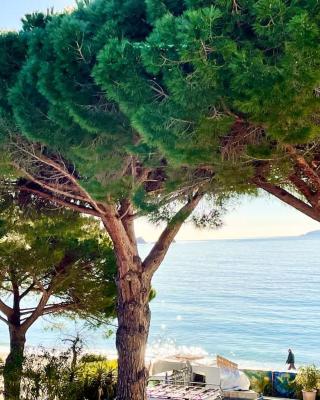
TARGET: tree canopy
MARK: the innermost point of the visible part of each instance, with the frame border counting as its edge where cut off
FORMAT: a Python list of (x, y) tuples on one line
[(169, 83), (53, 96), (57, 255)]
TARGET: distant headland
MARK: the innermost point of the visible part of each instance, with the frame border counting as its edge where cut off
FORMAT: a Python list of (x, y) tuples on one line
[(309, 235), (141, 240), (312, 234)]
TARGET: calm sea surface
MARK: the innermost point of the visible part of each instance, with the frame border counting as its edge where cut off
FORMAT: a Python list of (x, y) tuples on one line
[(248, 300)]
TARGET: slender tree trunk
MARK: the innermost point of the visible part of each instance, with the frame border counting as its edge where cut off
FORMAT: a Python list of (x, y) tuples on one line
[(132, 335), (12, 372)]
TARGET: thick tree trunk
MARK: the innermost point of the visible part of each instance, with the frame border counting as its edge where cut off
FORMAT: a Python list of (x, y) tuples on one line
[(132, 335), (13, 366), (134, 285)]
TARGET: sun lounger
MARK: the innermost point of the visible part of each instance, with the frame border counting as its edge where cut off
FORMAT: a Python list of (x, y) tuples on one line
[(180, 392)]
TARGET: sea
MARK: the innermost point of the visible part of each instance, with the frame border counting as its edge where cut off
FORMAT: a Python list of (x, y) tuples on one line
[(247, 300)]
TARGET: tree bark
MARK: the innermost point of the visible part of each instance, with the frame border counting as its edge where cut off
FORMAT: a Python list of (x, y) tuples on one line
[(132, 334), (287, 198), (134, 286), (12, 372)]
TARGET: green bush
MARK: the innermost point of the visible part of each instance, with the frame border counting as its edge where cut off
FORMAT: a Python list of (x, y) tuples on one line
[(49, 376), (54, 376), (90, 357), (98, 380), (308, 378)]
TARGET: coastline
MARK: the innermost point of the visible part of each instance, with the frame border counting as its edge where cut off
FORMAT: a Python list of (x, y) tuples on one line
[(151, 356)]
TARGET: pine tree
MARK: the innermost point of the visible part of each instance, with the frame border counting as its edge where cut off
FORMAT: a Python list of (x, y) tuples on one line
[(70, 142), (51, 262)]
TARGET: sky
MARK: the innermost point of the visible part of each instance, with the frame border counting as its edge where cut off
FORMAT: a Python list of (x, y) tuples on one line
[(13, 10), (250, 217)]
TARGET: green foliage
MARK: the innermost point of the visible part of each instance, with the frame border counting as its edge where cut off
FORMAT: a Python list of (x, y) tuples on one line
[(52, 376), (36, 20), (12, 56), (86, 358), (152, 294), (98, 378), (47, 376), (210, 219), (162, 80), (308, 378), (42, 248), (61, 96)]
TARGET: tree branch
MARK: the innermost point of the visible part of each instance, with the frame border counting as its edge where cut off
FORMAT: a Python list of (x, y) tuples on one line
[(64, 203), (286, 197), (125, 212), (57, 167), (23, 294), (51, 188), (125, 249), (303, 165), (74, 180), (7, 311), (159, 250), (37, 312), (61, 269), (4, 320), (57, 307), (26, 311), (51, 309), (304, 188)]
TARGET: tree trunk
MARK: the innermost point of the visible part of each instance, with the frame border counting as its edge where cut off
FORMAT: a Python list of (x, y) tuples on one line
[(134, 286), (12, 372), (132, 334)]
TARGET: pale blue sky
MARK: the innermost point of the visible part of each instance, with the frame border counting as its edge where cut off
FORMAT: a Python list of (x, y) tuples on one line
[(260, 217), (13, 10)]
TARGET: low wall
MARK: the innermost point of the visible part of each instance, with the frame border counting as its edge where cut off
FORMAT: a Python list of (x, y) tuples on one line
[(272, 383)]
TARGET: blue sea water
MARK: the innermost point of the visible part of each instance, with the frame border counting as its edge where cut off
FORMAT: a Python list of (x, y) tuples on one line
[(248, 300)]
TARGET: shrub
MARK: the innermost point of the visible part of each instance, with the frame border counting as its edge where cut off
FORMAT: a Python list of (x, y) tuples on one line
[(98, 380), (87, 358), (49, 376), (308, 378), (53, 376)]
